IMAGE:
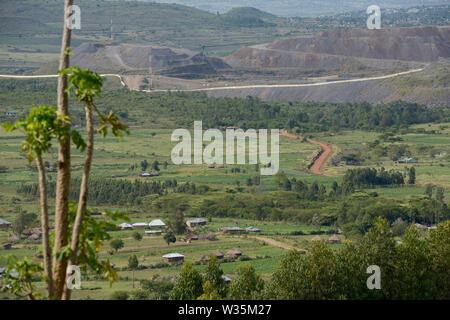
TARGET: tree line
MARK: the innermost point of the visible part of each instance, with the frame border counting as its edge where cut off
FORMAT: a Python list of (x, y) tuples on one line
[(117, 191)]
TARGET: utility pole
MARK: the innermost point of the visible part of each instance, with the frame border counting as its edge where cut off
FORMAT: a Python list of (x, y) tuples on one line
[(111, 29), (150, 68)]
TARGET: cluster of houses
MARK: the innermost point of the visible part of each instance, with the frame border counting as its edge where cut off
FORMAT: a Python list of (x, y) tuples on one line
[(231, 254), (156, 225), (177, 257)]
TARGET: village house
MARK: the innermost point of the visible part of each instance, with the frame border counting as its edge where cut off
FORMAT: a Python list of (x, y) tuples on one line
[(408, 160), (196, 222), (6, 246), (140, 225), (149, 174), (125, 226), (157, 224), (153, 232), (316, 238), (251, 229), (217, 253), (232, 230), (173, 257), (334, 239), (12, 113), (234, 253), (4, 224)]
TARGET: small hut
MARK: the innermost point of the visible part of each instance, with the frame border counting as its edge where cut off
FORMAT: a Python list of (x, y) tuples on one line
[(196, 222), (234, 253), (125, 226), (316, 238), (153, 232), (334, 239), (219, 254), (13, 238), (173, 257), (34, 236)]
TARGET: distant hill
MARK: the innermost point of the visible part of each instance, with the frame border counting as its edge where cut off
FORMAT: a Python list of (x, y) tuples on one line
[(112, 57), (430, 87), (292, 8), (410, 44), (335, 47)]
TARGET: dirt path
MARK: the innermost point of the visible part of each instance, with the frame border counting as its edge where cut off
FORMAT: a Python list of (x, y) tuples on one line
[(244, 87), (278, 244), (318, 163)]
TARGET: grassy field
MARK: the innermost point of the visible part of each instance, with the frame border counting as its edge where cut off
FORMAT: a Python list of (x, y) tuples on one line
[(431, 148), (113, 159)]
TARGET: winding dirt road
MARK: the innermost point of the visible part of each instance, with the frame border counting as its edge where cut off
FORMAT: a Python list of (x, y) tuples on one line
[(319, 163), (237, 87), (278, 244)]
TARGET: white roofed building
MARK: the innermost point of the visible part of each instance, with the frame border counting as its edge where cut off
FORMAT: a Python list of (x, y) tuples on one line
[(173, 257), (157, 224), (140, 225)]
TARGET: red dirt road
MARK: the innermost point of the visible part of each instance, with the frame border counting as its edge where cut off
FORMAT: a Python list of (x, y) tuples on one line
[(318, 164)]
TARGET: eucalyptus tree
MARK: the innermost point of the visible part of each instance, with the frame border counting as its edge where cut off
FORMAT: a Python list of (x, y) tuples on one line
[(40, 126)]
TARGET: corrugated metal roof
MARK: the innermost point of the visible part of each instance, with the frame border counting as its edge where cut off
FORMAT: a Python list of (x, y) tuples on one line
[(173, 255), (156, 222)]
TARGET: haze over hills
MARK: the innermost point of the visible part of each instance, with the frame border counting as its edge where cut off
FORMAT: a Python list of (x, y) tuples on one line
[(301, 8)]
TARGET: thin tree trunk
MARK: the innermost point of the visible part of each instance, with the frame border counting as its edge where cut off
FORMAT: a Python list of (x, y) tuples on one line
[(63, 182), (44, 225), (82, 202)]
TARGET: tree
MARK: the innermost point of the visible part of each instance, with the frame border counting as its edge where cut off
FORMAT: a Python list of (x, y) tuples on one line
[(116, 244), (176, 222), (158, 289), (144, 165), (87, 85), (137, 236), (440, 194), (247, 284), (170, 237), (19, 224), (213, 275), (429, 190), (399, 227), (189, 285), (412, 176), (133, 264), (316, 221), (209, 292), (40, 126), (63, 180), (155, 165), (19, 278)]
